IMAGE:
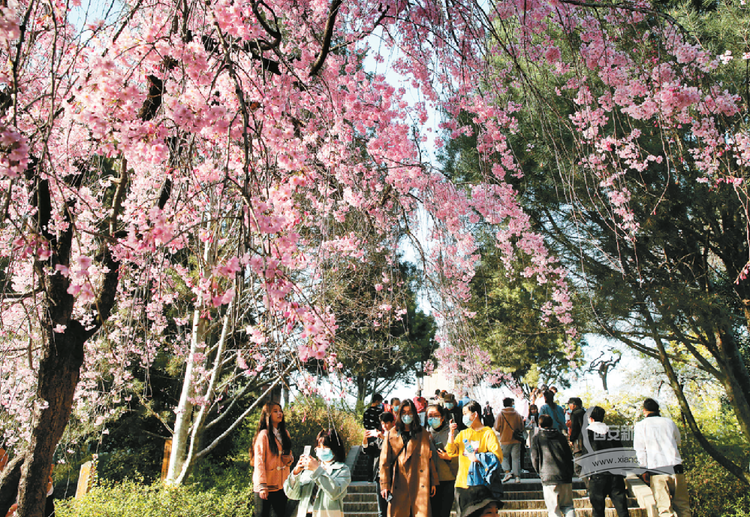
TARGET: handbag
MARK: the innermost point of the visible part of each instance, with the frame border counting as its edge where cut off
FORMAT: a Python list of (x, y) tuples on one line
[(517, 433)]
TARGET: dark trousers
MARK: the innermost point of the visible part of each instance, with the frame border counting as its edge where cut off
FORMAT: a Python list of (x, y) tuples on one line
[(603, 485), (382, 503), (442, 502), (372, 452), (276, 501), (49, 507)]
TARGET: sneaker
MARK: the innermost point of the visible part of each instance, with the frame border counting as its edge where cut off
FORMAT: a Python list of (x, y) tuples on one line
[(524, 471), (518, 480), (507, 477)]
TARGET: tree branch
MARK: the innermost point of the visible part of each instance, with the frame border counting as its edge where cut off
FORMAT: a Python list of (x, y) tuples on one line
[(239, 419), (327, 37)]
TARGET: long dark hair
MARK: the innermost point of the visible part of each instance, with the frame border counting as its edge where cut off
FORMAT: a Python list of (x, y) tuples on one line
[(415, 427), (265, 424), (549, 398)]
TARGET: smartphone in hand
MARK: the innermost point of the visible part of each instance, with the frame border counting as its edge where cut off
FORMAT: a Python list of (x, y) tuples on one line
[(306, 451)]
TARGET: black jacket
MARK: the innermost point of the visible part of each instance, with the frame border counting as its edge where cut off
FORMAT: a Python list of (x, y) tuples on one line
[(551, 457), (576, 425)]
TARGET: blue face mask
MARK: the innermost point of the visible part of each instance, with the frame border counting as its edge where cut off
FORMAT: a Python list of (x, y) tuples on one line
[(449, 405), (467, 420), (324, 455), (434, 422), (407, 419), (395, 409)]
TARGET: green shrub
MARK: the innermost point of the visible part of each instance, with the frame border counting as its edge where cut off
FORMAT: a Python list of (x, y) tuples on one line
[(129, 498), (713, 490), (738, 508), (305, 420)]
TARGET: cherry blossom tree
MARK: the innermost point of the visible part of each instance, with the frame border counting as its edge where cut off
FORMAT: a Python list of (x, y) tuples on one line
[(217, 144), (627, 130)]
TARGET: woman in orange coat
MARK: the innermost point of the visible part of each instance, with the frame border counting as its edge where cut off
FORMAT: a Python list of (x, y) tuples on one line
[(407, 473), (271, 456)]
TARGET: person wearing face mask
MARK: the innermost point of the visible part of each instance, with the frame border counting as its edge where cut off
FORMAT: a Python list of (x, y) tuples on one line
[(475, 439), (395, 403), (447, 467), (408, 477), (449, 402), (319, 483)]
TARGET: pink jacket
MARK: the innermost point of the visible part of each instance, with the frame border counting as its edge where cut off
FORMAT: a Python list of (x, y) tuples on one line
[(271, 470)]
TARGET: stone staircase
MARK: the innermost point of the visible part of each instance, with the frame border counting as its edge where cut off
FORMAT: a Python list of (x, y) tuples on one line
[(361, 500), (524, 499)]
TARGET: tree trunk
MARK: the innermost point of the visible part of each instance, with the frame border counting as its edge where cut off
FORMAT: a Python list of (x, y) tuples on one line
[(10, 477), (185, 407), (59, 371), (736, 379), (189, 446), (361, 391), (736, 470), (603, 377)]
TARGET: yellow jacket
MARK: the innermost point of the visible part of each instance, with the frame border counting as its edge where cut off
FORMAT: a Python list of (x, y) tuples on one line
[(483, 440)]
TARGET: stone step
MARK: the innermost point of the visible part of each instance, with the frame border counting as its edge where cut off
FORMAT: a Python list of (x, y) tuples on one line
[(528, 475), (360, 508), (536, 504), (360, 497), (361, 487), (520, 495), (535, 485), (580, 512)]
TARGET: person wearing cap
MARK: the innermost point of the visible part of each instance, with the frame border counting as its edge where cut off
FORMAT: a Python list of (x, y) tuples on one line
[(449, 402), (577, 414), (478, 501), (656, 440)]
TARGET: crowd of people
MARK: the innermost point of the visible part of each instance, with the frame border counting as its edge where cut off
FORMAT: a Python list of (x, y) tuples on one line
[(429, 457), (467, 439)]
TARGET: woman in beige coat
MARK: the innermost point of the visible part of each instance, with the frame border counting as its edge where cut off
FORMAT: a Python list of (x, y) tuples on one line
[(407, 473)]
